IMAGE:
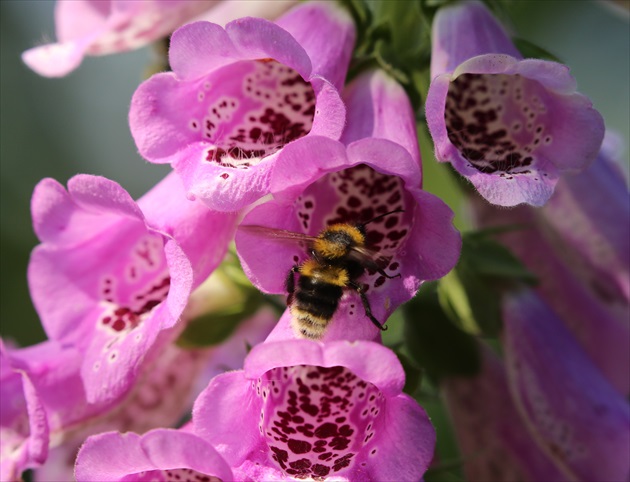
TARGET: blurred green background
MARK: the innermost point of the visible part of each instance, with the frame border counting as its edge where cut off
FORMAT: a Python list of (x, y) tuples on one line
[(78, 124)]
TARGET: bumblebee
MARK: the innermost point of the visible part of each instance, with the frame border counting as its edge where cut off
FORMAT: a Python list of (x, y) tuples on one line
[(338, 258)]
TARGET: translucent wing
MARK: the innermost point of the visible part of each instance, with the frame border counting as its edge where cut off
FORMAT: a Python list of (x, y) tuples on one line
[(278, 234), (368, 258)]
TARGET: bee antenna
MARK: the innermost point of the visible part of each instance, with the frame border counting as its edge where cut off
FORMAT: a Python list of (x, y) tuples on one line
[(399, 210)]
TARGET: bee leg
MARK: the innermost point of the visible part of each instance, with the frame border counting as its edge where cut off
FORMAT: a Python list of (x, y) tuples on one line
[(290, 283), (366, 306)]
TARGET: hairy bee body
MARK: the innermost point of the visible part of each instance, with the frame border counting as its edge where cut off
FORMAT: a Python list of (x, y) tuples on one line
[(316, 297), (338, 257)]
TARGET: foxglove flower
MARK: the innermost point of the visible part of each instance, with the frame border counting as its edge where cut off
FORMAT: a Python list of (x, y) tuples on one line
[(315, 410), (237, 95), (509, 125), (101, 27), (319, 182), (160, 396), (579, 253), (168, 381), (494, 443), (580, 420), (595, 227), (111, 275), (161, 455), (96, 27), (24, 431)]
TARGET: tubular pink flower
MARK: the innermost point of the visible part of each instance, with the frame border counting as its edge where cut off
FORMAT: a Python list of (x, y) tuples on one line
[(595, 226), (168, 381), (379, 107), (314, 410), (510, 126), (319, 182), (577, 246), (238, 95), (579, 419), (111, 275), (160, 396), (161, 454), (97, 27), (24, 431), (494, 442)]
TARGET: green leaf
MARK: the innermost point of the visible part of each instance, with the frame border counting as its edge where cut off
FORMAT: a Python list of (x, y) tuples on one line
[(489, 258), (362, 17), (413, 374), (214, 328), (454, 300), (471, 293), (434, 342)]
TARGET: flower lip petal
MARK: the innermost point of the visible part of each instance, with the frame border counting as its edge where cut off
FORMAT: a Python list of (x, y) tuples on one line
[(189, 55), (99, 194), (553, 75), (54, 60), (257, 38), (380, 154), (116, 456), (368, 360), (175, 449)]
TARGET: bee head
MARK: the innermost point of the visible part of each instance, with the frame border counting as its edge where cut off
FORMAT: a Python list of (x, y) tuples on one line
[(336, 241)]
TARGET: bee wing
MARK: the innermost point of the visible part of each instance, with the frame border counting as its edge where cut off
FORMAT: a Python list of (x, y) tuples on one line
[(367, 257), (279, 234)]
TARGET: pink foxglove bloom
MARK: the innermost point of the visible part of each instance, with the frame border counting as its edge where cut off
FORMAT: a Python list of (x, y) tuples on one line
[(578, 246), (168, 381), (577, 416), (510, 125), (24, 431), (101, 27), (319, 182), (112, 274), (159, 455), (591, 213), (494, 443), (237, 95), (316, 410), (160, 396)]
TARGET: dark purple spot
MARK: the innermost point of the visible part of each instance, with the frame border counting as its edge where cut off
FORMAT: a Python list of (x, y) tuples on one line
[(320, 470), (326, 430)]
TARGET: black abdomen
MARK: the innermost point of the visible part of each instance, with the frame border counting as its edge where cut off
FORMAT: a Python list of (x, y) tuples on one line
[(317, 298)]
